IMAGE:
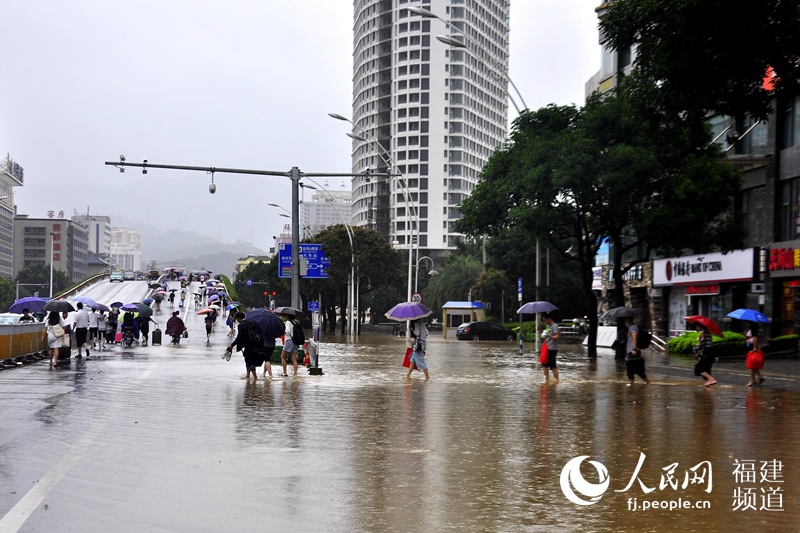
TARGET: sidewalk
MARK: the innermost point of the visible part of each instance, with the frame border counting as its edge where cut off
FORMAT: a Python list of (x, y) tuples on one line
[(779, 373)]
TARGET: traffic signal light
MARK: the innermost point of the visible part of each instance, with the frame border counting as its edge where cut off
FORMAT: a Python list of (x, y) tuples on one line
[(265, 293)]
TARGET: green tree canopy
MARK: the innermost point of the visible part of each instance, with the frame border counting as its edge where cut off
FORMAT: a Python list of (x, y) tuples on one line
[(36, 278), (707, 55), (611, 170)]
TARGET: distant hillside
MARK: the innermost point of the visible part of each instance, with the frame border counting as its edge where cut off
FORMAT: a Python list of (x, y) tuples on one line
[(194, 250)]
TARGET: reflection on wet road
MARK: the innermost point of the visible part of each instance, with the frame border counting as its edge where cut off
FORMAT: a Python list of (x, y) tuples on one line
[(170, 439)]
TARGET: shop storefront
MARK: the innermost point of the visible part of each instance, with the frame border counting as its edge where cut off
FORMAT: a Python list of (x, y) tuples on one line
[(784, 270), (706, 284)]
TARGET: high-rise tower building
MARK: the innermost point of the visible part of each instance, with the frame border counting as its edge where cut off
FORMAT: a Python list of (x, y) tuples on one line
[(438, 111)]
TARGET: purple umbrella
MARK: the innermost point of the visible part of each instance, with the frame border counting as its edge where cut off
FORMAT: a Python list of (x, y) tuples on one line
[(408, 311), (213, 297), (101, 307), (148, 301), (31, 303), (271, 325)]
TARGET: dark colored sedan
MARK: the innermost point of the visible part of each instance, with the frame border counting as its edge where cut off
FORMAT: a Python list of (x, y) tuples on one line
[(484, 331)]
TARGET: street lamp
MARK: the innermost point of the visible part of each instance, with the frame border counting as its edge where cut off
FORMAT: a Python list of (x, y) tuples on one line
[(431, 273), (385, 155)]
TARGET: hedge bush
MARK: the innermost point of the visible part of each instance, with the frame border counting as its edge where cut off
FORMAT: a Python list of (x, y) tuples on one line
[(730, 344)]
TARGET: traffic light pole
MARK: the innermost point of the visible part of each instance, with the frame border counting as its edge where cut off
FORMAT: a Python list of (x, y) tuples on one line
[(294, 174)]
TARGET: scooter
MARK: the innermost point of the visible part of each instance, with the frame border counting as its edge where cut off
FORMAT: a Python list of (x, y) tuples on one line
[(176, 336), (127, 337)]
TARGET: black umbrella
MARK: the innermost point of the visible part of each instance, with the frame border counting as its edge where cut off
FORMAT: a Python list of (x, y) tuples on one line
[(158, 297), (619, 312), (59, 306), (271, 326), (291, 311), (143, 310)]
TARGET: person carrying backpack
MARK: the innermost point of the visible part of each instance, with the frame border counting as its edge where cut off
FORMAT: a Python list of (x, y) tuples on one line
[(294, 338), (634, 362), (251, 341)]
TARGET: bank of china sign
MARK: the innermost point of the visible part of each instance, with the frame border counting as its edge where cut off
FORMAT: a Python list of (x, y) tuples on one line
[(704, 268)]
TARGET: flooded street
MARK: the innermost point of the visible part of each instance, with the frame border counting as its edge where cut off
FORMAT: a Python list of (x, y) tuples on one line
[(165, 438)]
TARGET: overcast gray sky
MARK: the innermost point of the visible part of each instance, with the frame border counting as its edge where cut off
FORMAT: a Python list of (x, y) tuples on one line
[(241, 83)]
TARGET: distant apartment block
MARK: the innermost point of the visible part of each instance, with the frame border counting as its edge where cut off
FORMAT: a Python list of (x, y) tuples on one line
[(126, 249), (38, 240)]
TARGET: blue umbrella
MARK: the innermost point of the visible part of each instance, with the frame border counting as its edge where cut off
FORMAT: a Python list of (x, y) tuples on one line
[(31, 303), (101, 307), (751, 315), (271, 325), (408, 311), (85, 300), (116, 304), (536, 307), (148, 301)]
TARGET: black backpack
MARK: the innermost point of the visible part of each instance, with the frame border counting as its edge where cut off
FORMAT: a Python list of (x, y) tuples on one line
[(298, 337), (255, 339), (644, 338)]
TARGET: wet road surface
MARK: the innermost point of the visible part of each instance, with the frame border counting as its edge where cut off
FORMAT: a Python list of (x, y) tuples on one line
[(166, 438)]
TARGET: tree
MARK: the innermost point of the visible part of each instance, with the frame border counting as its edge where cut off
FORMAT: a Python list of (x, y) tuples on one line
[(264, 275), (36, 278), (7, 293), (612, 170), (455, 281), (708, 56), (375, 260)]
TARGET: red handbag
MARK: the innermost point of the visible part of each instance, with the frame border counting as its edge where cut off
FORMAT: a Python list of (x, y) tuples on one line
[(755, 359), (407, 359), (544, 356)]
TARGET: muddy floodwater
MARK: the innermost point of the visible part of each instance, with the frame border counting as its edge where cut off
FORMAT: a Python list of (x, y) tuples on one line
[(165, 438)]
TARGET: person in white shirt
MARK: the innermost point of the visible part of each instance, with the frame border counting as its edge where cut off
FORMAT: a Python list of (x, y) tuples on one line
[(81, 327), (101, 330), (93, 328)]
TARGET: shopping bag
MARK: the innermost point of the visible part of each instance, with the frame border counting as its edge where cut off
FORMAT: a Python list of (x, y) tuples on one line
[(755, 359), (407, 359), (543, 356)]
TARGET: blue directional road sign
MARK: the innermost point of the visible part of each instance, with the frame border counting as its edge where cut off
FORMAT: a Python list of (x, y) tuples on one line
[(317, 263), (313, 306)]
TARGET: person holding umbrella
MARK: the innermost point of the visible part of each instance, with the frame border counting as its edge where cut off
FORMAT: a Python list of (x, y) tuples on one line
[(754, 343), (53, 333), (419, 332), (550, 336), (634, 362), (253, 352), (705, 355)]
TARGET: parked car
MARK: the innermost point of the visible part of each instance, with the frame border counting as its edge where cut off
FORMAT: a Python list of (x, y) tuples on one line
[(484, 331), (116, 276), (129, 276)]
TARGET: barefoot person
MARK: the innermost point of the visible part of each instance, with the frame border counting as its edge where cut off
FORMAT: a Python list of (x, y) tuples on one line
[(293, 339), (634, 362), (705, 355), (754, 343), (253, 346), (419, 334), (550, 336)]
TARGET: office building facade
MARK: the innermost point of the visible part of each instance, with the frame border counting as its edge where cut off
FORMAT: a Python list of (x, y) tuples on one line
[(40, 240), (429, 111)]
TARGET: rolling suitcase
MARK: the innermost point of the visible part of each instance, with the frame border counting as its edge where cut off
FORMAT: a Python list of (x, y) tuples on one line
[(156, 336)]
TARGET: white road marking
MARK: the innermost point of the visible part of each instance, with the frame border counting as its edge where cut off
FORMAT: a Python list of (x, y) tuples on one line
[(16, 517)]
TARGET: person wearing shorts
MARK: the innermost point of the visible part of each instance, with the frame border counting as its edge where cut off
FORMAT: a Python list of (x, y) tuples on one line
[(634, 362), (420, 335), (81, 327), (289, 348), (550, 336), (93, 328)]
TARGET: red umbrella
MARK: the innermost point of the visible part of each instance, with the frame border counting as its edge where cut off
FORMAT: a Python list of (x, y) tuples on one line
[(706, 323), (205, 311)]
